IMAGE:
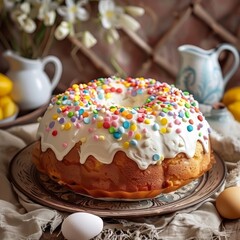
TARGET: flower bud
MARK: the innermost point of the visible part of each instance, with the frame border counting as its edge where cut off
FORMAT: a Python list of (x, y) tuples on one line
[(49, 18), (134, 11), (88, 39), (129, 22), (62, 30), (112, 36)]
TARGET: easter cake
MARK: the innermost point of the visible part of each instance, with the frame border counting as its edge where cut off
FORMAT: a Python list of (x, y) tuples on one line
[(116, 138)]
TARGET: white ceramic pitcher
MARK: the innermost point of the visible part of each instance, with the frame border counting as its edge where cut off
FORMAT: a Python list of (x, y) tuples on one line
[(200, 72), (31, 85)]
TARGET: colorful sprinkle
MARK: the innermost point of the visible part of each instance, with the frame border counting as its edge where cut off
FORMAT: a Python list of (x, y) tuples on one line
[(55, 116), (126, 124), (81, 111), (126, 145), (86, 120), (51, 124), (165, 110), (155, 127), (187, 114), (178, 130), (191, 121), (67, 126), (138, 136), (114, 124), (64, 145), (119, 90), (106, 125), (181, 114), (187, 105), (54, 133), (85, 114), (163, 130), (190, 128), (200, 118), (133, 127), (73, 119), (117, 135), (147, 121), (133, 142), (163, 121), (177, 122), (70, 114), (95, 137), (129, 116), (111, 129), (101, 137), (140, 119), (155, 157)]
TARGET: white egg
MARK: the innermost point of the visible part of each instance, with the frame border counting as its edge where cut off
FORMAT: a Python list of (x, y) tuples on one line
[(81, 226)]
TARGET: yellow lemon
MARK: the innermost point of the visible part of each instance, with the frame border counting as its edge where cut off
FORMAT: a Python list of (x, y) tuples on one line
[(231, 95), (5, 100), (5, 85), (234, 108), (1, 113), (9, 109)]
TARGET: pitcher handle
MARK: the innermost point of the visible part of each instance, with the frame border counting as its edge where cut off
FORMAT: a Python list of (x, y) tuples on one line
[(235, 53), (58, 69)]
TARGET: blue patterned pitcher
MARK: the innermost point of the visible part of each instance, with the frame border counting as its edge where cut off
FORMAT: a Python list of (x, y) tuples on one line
[(200, 72)]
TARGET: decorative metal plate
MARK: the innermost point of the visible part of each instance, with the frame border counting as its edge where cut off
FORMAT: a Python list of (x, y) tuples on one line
[(43, 190)]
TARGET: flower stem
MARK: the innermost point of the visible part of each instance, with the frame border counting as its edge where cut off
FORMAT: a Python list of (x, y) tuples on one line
[(49, 41)]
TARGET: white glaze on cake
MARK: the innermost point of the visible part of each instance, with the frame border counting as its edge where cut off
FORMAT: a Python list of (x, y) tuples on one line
[(146, 119)]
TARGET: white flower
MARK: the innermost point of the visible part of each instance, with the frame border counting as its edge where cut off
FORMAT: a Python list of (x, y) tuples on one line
[(109, 13), (113, 16), (27, 24), (73, 11), (88, 39), (25, 7), (39, 17), (134, 11), (21, 16), (63, 30), (47, 12)]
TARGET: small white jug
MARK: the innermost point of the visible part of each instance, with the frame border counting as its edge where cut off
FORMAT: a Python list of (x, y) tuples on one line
[(200, 72), (31, 85)]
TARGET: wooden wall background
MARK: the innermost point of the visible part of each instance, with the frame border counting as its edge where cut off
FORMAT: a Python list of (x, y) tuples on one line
[(152, 51)]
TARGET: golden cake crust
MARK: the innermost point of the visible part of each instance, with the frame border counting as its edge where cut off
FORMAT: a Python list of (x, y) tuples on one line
[(122, 178)]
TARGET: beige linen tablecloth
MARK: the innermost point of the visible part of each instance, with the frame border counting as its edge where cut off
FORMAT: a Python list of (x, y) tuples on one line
[(20, 218)]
